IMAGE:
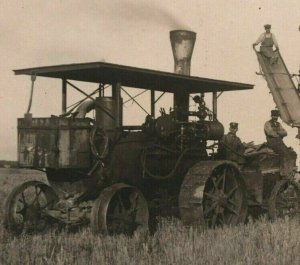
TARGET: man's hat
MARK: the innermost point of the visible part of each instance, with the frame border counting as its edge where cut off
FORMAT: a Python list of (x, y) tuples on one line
[(233, 125), (275, 112), (267, 26)]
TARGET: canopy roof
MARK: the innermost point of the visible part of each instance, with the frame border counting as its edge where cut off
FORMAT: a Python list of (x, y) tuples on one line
[(107, 73)]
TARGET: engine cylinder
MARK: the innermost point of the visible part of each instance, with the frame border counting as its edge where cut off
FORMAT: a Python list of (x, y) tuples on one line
[(210, 130), (107, 113)]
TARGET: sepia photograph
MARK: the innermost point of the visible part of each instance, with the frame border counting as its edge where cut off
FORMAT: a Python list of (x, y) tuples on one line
[(150, 132)]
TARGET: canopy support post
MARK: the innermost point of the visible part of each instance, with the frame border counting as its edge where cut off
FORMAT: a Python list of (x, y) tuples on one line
[(152, 103), (215, 105), (64, 96)]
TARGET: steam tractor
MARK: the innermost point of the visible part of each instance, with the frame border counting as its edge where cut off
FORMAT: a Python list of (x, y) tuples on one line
[(119, 178)]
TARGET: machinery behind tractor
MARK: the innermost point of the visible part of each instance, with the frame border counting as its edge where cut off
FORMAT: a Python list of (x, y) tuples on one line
[(118, 178)]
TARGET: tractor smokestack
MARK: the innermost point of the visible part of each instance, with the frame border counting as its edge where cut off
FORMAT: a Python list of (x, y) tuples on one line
[(182, 42)]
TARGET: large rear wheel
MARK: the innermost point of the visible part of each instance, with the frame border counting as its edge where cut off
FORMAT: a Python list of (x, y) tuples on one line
[(120, 209), (224, 200)]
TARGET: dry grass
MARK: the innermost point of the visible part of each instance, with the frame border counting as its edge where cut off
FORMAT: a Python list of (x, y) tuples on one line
[(255, 243)]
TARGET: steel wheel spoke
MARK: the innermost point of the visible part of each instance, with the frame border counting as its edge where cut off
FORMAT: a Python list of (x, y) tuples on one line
[(210, 191), (121, 204), (22, 201), (219, 181), (215, 216), (281, 203), (214, 183), (211, 196), (23, 198), (133, 202), (223, 178), (36, 188), (46, 205), (223, 185), (232, 202), (37, 194), (231, 210), (212, 207), (223, 218), (214, 219), (22, 211), (118, 218), (286, 204), (230, 193), (285, 207), (282, 196)]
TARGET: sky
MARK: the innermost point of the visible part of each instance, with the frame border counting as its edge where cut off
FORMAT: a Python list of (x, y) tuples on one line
[(136, 33)]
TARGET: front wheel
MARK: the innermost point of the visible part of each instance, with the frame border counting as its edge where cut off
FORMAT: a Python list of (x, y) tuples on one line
[(26, 206), (120, 209)]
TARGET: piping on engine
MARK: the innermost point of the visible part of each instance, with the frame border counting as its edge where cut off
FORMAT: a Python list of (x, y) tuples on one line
[(99, 140)]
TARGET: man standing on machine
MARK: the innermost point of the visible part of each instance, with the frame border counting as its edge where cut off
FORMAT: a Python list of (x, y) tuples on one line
[(267, 40)]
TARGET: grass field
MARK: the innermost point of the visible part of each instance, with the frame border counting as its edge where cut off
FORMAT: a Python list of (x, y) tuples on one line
[(257, 243)]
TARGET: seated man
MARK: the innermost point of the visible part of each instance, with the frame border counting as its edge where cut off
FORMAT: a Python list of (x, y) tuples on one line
[(231, 147), (274, 134)]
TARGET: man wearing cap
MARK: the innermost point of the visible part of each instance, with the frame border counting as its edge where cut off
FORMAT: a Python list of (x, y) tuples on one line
[(273, 129), (231, 147), (267, 40), (274, 134)]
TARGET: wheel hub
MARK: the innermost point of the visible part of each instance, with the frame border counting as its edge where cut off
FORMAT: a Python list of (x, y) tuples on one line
[(33, 211), (221, 198)]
